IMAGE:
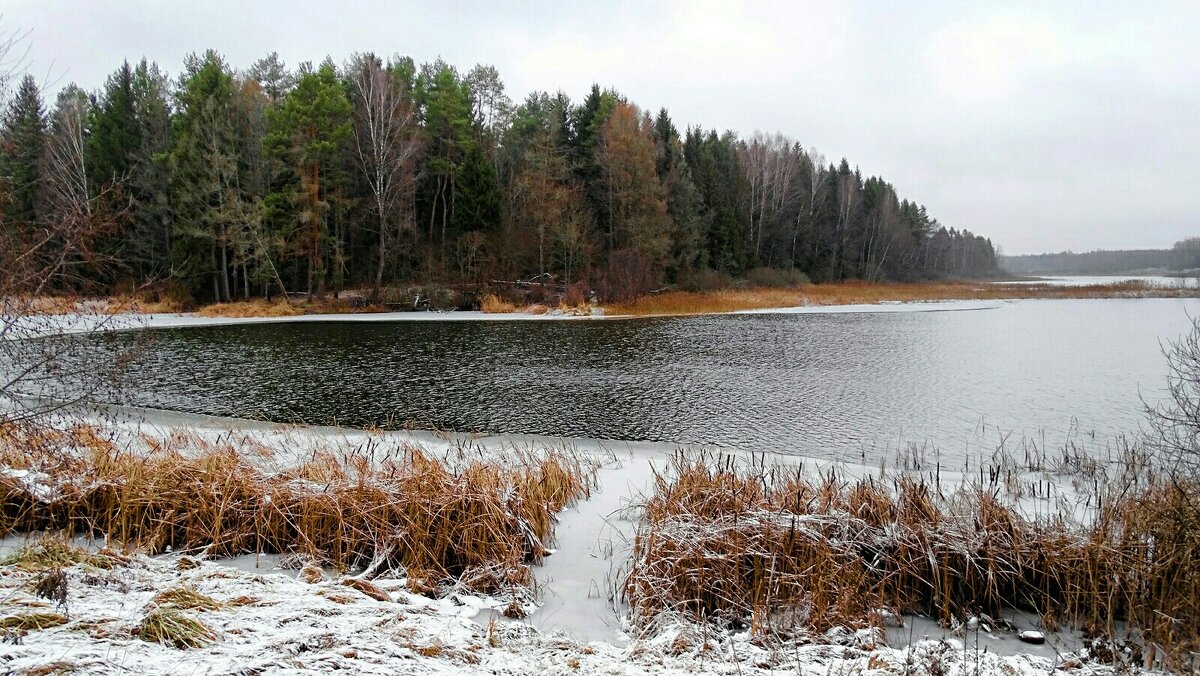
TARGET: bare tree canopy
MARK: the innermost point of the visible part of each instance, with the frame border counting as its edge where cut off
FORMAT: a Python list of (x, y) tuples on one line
[(385, 146)]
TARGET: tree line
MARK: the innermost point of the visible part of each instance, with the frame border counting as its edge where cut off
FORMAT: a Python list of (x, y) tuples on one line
[(1183, 256), (232, 183)]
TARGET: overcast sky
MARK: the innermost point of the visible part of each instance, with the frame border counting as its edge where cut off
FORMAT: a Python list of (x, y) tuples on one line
[(1046, 126)]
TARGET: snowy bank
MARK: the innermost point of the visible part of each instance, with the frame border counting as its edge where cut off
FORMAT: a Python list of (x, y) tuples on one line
[(269, 624)]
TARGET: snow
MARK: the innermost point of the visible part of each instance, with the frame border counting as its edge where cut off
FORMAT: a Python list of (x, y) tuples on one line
[(37, 483), (82, 323), (45, 325), (270, 624), (883, 307), (298, 628)]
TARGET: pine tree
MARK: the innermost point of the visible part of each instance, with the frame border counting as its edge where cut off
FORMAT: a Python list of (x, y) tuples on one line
[(460, 193), (310, 130), (271, 73)]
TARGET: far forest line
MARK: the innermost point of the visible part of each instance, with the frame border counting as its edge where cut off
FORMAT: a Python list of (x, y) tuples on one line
[(226, 183)]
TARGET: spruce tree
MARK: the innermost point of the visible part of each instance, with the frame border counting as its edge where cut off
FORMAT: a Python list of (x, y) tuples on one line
[(115, 136), (204, 164), (21, 143), (150, 178)]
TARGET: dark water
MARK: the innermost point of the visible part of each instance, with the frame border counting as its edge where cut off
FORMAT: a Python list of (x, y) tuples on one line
[(826, 385)]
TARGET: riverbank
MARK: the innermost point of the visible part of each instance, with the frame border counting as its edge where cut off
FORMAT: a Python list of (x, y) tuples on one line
[(851, 295), (673, 303), (398, 621), (215, 620)]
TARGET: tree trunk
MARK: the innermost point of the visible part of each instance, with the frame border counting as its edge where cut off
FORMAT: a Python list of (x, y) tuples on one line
[(225, 268), (216, 278), (382, 255), (314, 257)]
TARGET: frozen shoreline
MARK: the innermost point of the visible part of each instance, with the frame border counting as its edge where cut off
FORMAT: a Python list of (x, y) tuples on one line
[(44, 325), (278, 624), (575, 630)]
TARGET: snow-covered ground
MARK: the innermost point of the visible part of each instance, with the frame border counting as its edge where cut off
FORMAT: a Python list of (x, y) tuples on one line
[(29, 327), (272, 623), (82, 323), (292, 626)]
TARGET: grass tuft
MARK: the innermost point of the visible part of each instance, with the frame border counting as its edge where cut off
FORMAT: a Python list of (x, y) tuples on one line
[(493, 304), (51, 553), (33, 621), (170, 626), (185, 598)]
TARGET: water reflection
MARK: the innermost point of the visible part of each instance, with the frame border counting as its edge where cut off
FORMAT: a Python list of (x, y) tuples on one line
[(826, 385)]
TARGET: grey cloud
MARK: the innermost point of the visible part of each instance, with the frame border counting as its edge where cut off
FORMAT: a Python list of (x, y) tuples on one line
[(1043, 125)]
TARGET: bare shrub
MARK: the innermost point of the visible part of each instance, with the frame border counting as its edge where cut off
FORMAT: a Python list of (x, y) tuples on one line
[(575, 295), (626, 276), (776, 277), (1174, 423)]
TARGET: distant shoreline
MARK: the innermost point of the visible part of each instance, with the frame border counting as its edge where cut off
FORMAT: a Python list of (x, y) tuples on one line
[(851, 296)]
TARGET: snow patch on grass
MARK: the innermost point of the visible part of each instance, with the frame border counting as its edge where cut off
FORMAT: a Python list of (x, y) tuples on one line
[(277, 624)]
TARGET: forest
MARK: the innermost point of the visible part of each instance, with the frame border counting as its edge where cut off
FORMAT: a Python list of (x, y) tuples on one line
[(226, 183), (1184, 256)]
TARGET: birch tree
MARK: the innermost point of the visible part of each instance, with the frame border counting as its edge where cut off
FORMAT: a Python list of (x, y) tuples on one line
[(386, 147)]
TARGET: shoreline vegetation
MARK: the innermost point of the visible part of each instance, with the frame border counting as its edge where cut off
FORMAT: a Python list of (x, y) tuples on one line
[(863, 293), (664, 303), (370, 508), (781, 552), (733, 554)]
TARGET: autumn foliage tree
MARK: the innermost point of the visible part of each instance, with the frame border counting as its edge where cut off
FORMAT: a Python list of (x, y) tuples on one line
[(386, 173), (307, 131), (637, 225)]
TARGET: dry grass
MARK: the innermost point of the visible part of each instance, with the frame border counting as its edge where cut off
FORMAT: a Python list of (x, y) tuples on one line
[(853, 292), (253, 308), (408, 512), (170, 626), (493, 304), (71, 304), (56, 668), (159, 303), (54, 553), (32, 621), (186, 598), (779, 552)]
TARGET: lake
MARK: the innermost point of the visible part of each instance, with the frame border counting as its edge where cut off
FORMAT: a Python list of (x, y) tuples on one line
[(1098, 280), (853, 386)]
